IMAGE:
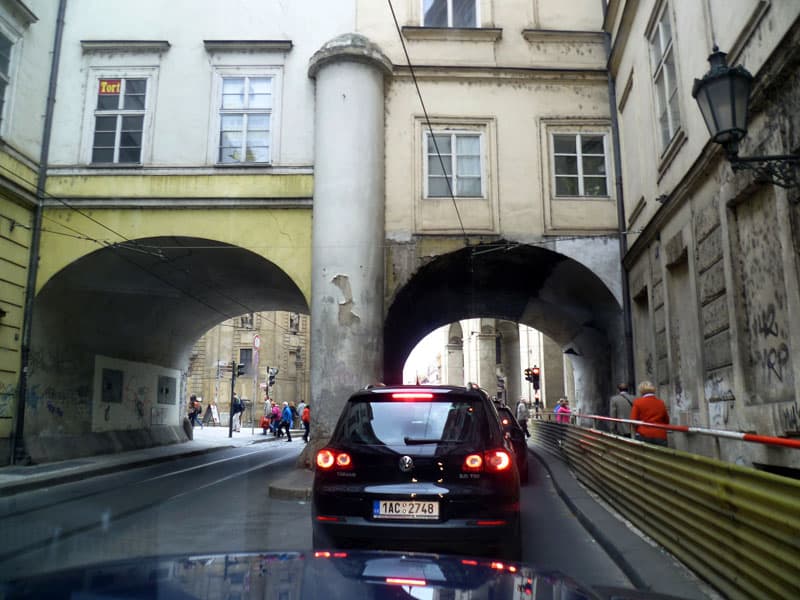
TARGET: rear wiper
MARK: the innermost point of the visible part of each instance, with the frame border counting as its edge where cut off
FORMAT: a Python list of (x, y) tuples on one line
[(418, 441)]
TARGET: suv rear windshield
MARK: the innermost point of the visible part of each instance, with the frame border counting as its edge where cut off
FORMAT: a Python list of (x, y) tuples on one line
[(441, 420)]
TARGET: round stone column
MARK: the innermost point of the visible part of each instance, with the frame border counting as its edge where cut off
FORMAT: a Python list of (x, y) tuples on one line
[(348, 231)]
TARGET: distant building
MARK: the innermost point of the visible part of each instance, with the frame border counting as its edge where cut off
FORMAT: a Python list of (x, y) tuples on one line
[(283, 341)]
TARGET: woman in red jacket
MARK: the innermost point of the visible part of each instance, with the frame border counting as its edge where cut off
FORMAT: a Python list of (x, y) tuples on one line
[(651, 409)]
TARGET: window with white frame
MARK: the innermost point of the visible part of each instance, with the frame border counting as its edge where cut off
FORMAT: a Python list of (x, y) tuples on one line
[(245, 130), (456, 158), (665, 79), (579, 164), (5, 69), (450, 13), (119, 120)]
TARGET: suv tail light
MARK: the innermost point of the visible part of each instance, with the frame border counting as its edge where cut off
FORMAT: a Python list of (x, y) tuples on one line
[(328, 459), (497, 460), (492, 461)]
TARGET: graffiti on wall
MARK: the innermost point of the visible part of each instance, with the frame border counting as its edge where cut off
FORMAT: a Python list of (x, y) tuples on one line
[(772, 353), (8, 393), (136, 397), (790, 419)]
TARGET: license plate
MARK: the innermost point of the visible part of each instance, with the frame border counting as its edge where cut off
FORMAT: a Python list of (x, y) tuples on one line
[(405, 509)]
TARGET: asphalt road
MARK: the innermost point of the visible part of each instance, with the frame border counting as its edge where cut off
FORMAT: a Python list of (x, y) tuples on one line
[(219, 503)]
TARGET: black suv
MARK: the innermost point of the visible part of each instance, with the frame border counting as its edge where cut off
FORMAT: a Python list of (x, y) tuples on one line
[(422, 468)]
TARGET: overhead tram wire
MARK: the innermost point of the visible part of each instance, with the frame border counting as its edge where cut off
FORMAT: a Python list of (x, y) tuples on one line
[(132, 245), (428, 121)]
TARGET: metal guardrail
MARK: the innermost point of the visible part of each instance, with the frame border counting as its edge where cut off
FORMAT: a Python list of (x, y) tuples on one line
[(735, 527)]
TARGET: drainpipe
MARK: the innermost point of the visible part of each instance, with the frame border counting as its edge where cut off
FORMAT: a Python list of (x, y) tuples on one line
[(621, 226), (18, 454)]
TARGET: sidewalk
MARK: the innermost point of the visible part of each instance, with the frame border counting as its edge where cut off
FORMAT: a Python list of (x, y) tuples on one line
[(646, 564), (18, 478)]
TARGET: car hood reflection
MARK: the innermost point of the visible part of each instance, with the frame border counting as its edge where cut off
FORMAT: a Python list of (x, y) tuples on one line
[(327, 575)]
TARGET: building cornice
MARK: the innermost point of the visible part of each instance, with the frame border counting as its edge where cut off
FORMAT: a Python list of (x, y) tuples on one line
[(472, 72), (248, 45), (118, 46), (352, 47), (21, 12), (172, 203)]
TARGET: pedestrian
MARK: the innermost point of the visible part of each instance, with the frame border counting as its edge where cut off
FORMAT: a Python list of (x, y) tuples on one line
[(306, 418), (522, 416), (620, 408), (300, 407), (195, 409), (295, 415), (237, 408), (563, 412), (276, 420), (286, 420), (537, 407), (650, 409)]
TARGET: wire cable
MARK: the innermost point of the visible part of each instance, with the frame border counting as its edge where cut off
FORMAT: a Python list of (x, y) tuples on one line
[(428, 122)]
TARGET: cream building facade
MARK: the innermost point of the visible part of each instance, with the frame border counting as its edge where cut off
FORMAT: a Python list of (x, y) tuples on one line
[(713, 263)]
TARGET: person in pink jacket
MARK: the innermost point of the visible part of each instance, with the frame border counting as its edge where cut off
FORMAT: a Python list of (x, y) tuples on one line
[(563, 412)]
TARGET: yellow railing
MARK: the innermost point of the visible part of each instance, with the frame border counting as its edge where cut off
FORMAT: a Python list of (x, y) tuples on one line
[(737, 528)]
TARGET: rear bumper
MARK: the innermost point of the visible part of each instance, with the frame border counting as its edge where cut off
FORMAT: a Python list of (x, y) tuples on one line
[(459, 536)]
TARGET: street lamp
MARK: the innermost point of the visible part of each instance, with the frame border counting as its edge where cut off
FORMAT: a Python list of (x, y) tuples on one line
[(723, 95)]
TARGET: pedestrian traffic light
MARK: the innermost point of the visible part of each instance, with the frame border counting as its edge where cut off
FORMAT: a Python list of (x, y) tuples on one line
[(272, 372), (535, 377)]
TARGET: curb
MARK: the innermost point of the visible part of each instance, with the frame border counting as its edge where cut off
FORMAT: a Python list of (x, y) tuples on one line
[(9, 489), (605, 542), (289, 489)]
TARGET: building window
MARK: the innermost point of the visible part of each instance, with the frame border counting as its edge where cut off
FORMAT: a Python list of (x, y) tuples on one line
[(460, 164), (450, 13), (579, 164), (119, 120), (665, 79), (246, 321), (5, 69), (245, 120), (246, 359)]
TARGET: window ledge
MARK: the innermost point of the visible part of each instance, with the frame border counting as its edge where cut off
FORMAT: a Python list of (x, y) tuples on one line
[(563, 36), (114, 165), (450, 34), (243, 165), (248, 45), (450, 198), (671, 151), (116, 46), (581, 198)]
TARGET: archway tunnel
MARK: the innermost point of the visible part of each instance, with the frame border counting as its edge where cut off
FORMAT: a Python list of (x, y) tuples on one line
[(531, 285), (112, 333)]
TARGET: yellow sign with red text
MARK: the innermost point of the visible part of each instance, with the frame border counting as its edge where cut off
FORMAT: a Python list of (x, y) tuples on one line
[(110, 87)]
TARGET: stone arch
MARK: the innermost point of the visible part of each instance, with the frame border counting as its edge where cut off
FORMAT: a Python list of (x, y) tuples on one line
[(525, 284), (135, 309)]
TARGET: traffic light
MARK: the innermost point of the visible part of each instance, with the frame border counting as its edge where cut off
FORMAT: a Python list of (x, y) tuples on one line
[(272, 372), (535, 377), (528, 375), (241, 369)]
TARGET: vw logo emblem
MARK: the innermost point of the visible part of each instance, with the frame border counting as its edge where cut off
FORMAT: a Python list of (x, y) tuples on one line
[(406, 464)]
